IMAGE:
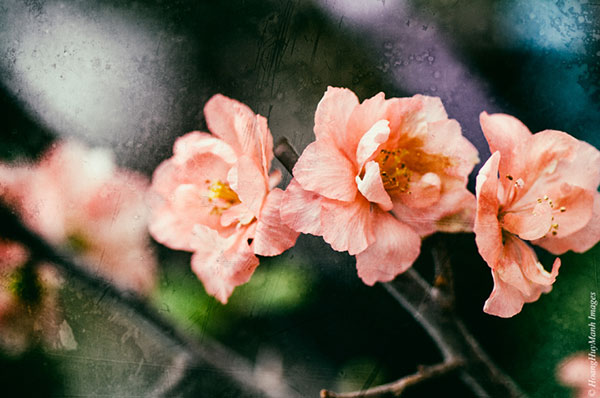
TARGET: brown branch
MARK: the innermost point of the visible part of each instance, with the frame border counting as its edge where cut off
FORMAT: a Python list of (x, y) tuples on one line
[(211, 352), (432, 307), (443, 278), (448, 332), (286, 154), (396, 388)]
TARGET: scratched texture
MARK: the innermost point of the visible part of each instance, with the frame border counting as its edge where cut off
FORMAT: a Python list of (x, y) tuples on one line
[(134, 75)]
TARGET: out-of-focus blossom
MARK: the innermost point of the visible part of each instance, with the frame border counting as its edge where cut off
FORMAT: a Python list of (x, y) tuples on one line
[(580, 373), (216, 198), (381, 175), (29, 312), (77, 199), (535, 187)]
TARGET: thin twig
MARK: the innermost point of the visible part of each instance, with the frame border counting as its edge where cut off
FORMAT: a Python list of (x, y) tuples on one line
[(480, 374), (396, 388)]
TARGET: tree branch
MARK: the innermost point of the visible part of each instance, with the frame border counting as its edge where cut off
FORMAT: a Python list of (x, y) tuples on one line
[(209, 352), (423, 374)]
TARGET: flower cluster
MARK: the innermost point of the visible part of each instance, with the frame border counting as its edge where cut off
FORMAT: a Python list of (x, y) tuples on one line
[(29, 313), (380, 176), (77, 199)]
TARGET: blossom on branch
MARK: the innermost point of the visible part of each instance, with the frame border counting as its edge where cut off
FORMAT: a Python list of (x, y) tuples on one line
[(29, 312), (216, 198), (381, 175), (578, 372), (77, 199), (535, 187)]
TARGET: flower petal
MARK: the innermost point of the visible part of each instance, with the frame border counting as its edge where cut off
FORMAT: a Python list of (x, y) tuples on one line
[(579, 241), (272, 236), (423, 193), (301, 209), (274, 178), (505, 300), (172, 222), (530, 224), (370, 142), (12, 256), (518, 278), (407, 120), (508, 135), (488, 233), (557, 156), (323, 169), (237, 125), (372, 188), (454, 212), (578, 204), (347, 226), (195, 143), (332, 114), (195, 170), (236, 213), (249, 182), (433, 108), (445, 137), (221, 263), (361, 120), (394, 250)]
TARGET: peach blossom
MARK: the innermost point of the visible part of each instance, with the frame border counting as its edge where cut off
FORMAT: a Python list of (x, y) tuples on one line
[(77, 199), (31, 317), (216, 198), (535, 187), (381, 175), (575, 371)]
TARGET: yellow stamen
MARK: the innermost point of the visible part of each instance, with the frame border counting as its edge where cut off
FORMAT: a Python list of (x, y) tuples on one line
[(398, 166), (223, 194)]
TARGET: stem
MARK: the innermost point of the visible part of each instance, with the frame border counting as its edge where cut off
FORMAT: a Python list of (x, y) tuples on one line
[(286, 154), (453, 339), (425, 373), (432, 307), (209, 352)]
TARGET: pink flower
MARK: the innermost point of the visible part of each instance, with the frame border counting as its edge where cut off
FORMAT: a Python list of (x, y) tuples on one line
[(76, 198), (28, 301), (216, 198), (537, 187), (575, 372), (401, 155)]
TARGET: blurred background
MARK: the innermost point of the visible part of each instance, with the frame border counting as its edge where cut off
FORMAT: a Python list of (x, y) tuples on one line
[(133, 76)]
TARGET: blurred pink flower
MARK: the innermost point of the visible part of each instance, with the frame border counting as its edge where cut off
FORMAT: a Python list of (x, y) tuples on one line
[(537, 187), (401, 155), (29, 310), (76, 198), (216, 198), (576, 372)]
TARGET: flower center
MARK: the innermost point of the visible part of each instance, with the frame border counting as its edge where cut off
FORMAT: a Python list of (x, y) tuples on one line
[(526, 208), (222, 196), (78, 243), (399, 166)]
